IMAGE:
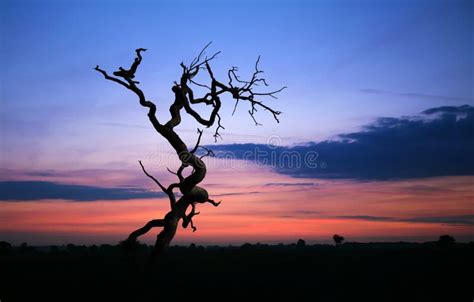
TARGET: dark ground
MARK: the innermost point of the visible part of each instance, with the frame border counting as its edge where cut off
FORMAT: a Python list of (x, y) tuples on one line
[(350, 272)]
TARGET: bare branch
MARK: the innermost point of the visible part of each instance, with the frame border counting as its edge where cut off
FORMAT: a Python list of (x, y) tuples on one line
[(206, 60), (200, 85), (209, 152), (198, 141), (153, 178), (219, 126), (188, 219), (174, 173), (243, 92), (198, 58), (192, 225), (272, 94), (178, 174), (107, 77), (252, 115), (168, 191), (130, 73), (143, 230), (214, 203), (235, 106)]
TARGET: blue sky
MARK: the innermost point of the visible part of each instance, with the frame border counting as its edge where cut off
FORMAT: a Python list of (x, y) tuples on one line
[(68, 136), (345, 63)]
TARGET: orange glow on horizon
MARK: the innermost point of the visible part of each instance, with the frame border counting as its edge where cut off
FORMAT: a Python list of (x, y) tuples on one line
[(255, 212)]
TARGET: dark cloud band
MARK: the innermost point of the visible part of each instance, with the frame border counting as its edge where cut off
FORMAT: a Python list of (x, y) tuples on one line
[(38, 190), (439, 142)]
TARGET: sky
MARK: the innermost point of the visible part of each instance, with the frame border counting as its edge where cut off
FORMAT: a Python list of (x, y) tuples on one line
[(374, 139)]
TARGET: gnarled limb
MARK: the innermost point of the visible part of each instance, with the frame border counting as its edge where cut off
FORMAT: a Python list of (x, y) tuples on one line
[(188, 219), (146, 228), (213, 202), (130, 73)]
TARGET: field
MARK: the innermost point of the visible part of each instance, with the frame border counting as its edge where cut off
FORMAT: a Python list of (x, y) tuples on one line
[(349, 272)]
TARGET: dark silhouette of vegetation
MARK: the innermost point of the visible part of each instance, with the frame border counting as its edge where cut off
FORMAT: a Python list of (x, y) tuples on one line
[(446, 241), (5, 247), (395, 271), (301, 243), (191, 194), (25, 248), (338, 239)]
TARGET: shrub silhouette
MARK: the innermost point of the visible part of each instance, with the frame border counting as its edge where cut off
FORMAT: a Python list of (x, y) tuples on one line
[(5, 247), (25, 248), (301, 243), (445, 241), (338, 239)]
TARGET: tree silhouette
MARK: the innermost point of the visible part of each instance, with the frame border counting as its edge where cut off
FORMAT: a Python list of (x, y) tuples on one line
[(191, 194), (5, 247), (446, 241), (338, 239), (301, 243)]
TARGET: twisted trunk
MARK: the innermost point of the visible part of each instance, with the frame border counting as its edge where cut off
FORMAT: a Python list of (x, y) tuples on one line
[(184, 97), (188, 185)]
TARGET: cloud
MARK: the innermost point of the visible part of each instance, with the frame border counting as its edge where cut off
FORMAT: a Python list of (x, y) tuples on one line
[(236, 193), (451, 220), (457, 220), (417, 95), (301, 214), (438, 142), (45, 173), (38, 190), (367, 218), (462, 110), (290, 184)]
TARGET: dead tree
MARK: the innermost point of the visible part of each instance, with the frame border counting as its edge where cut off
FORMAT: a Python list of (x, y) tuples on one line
[(191, 194)]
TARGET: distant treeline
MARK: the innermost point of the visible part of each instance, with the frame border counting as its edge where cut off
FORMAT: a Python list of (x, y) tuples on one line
[(444, 241)]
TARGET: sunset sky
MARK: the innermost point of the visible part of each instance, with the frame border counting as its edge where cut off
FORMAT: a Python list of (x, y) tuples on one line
[(375, 141)]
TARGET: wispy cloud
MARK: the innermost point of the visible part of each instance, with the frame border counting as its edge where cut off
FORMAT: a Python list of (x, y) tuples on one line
[(460, 220), (237, 193), (46, 173), (302, 214), (417, 95), (451, 220), (38, 190), (290, 184), (366, 218)]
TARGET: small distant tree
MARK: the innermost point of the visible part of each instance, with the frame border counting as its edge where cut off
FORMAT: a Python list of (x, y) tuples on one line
[(5, 247), (93, 248), (301, 243), (338, 239), (246, 246), (445, 241), (24, 247)]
